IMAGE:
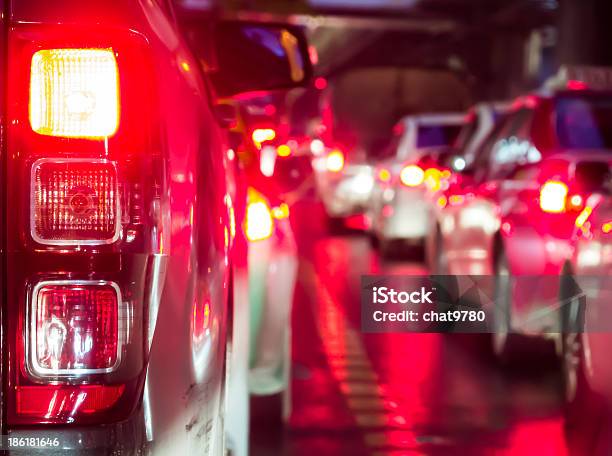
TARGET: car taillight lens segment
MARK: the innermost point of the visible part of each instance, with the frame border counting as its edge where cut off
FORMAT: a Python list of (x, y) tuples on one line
[(553, 196), (412, 175), (75, 328), (74, 93), (74, 201)]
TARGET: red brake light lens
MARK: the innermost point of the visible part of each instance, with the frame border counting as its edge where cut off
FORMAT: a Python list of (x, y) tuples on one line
[(75, 328), (74, 202), (553, 197), (412, 175), (36, 400)]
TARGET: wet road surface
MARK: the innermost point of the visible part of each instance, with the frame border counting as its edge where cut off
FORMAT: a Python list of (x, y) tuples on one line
[(397, 394)]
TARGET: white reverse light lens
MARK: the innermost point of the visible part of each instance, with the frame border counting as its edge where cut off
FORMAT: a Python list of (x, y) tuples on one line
[(74, 93)]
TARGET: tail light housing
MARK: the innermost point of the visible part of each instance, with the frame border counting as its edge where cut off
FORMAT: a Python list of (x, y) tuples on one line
[(86, 168), (75, 327), (74, 201), (335, 161), (412, 176)]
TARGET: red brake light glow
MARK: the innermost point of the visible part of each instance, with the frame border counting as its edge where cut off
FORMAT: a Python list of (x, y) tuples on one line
[(553, 197), (412, 176), (74, 93), (35, 400), (75, 328), (74, 202)]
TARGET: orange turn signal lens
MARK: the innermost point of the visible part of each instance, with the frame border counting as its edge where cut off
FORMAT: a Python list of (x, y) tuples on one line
[(74, 93)]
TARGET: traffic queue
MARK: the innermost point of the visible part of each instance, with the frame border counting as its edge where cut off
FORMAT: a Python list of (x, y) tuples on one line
[(518, 194)]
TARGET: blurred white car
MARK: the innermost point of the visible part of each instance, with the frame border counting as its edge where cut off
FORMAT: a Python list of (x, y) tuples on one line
[(344, 187), (398, 208), (272, 266)]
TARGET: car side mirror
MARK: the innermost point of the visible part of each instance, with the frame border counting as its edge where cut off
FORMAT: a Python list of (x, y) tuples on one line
[(252, 56)]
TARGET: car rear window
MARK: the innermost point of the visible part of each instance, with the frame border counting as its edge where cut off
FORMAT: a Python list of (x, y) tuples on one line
[(584, 122), (437, 135)]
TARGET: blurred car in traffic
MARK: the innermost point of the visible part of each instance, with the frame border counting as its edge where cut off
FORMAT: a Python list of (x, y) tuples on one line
[(119, 240), (275, 174), (398, 208), (513, 213), (343, 185), (480, 121), (585, 295)]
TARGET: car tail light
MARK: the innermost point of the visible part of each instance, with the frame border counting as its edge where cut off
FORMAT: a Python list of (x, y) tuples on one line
[(261, 135), (87, 174), (335, 161), (553, 196), (412, 175), (35, 400), (259, 223), (384, 175), (75, 328), (283, 150), (74, 93), (74, 201)]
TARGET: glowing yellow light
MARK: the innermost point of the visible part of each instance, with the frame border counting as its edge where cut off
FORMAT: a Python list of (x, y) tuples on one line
[(281, 211), (283, 150), (384, 175), (74, 93), (261, 135), (606, 227), (432, 179), (442, 201), (259, 224), (335, 161), (412, 176), (553, 195), (576, 201), (583, 217), (455, 200)]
